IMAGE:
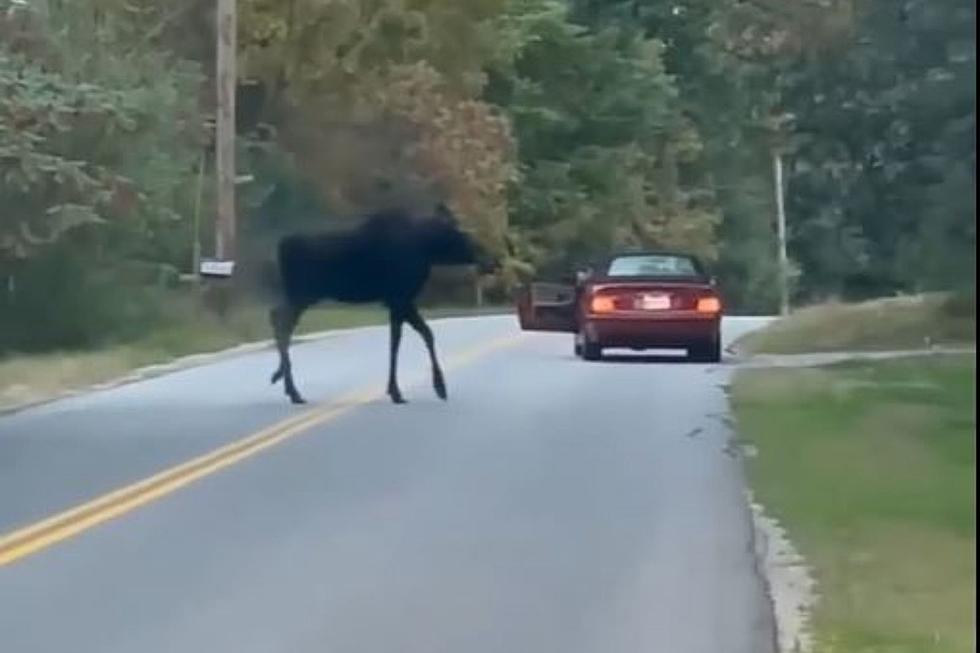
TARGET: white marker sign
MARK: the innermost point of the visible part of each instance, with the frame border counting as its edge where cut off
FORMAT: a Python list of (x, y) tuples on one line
[(211, 268)]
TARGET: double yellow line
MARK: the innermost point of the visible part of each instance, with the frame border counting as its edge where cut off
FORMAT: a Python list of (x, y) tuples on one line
[(40, 535)]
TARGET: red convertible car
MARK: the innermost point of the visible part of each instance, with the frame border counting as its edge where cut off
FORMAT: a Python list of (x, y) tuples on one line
[(637, 301)]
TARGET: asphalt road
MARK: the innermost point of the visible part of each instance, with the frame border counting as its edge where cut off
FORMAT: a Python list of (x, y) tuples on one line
[(551, 506)]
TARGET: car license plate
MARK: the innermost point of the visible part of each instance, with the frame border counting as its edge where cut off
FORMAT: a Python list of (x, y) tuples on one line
[(654, 302)]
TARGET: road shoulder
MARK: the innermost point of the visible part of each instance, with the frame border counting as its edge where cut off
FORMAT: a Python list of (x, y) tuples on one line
[(870, 466), (16, 397)]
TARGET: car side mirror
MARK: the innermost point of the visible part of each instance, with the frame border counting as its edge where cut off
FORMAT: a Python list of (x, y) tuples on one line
[(582, 275)]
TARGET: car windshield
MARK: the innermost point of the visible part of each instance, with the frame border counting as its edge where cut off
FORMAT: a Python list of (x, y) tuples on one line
[(653, 265)]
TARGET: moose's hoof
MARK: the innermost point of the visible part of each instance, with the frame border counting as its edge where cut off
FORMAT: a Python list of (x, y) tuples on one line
[(440, 389), (396, 397), (276, 376), (297, 399)]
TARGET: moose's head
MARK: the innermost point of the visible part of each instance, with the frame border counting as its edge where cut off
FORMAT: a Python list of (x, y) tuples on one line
[(449, 244)]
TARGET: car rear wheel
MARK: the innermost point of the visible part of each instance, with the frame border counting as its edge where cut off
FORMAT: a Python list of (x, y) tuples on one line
[(708, 352), (587, 349), (591, 351)]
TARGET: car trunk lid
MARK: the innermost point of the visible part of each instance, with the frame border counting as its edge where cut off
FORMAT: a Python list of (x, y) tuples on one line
[(649, 296)]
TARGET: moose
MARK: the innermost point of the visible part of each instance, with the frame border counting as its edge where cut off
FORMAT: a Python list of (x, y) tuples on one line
[(387, 260)]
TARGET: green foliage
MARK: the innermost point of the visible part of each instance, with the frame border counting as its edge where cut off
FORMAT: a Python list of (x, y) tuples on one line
[(607, 157), (724, 95), (882, 188), (46, 185), (557, 129), (98, 139), (89, 136), (58, 300)]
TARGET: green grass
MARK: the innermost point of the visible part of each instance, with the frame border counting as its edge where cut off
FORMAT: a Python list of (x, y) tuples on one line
[(883, 324), (190, 330), (872, 468)]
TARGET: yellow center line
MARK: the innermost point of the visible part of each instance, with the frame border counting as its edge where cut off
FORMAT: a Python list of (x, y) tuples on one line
[(40, 535)]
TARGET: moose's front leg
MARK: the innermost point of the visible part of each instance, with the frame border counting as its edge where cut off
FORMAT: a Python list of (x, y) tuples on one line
[(438, 381), (396, 317)]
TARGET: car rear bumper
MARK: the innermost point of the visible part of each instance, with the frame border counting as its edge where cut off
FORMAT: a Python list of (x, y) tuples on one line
[(676, 329)]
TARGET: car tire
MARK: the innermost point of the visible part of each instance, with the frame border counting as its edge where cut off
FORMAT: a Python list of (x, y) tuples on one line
[(708, 352), (591, 351), (585, 348)]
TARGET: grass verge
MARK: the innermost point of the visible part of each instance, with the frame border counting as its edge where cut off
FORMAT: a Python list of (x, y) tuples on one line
[(884, 324), (33, 377), (872, 469)]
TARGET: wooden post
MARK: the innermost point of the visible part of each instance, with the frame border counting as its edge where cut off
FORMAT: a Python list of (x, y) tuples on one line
[(227, 24), (198, 201), (777, 168), (478, 287), (218, 294)]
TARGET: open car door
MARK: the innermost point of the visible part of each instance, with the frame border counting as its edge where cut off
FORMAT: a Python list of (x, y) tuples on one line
[(547, 307)]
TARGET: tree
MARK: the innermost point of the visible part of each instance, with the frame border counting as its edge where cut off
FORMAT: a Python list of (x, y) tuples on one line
[(46, 189), (380, 103), (606, 156), (724, 91), (86, 138), (880, 185), (99, 137)]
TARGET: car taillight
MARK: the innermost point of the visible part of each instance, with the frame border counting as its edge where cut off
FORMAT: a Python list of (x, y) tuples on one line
[(602, 304), (709, 305)]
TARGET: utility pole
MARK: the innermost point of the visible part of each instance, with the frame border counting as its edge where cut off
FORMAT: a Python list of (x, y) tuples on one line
[(777, 169), (219, 295), (227, 27), (198, 200)]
